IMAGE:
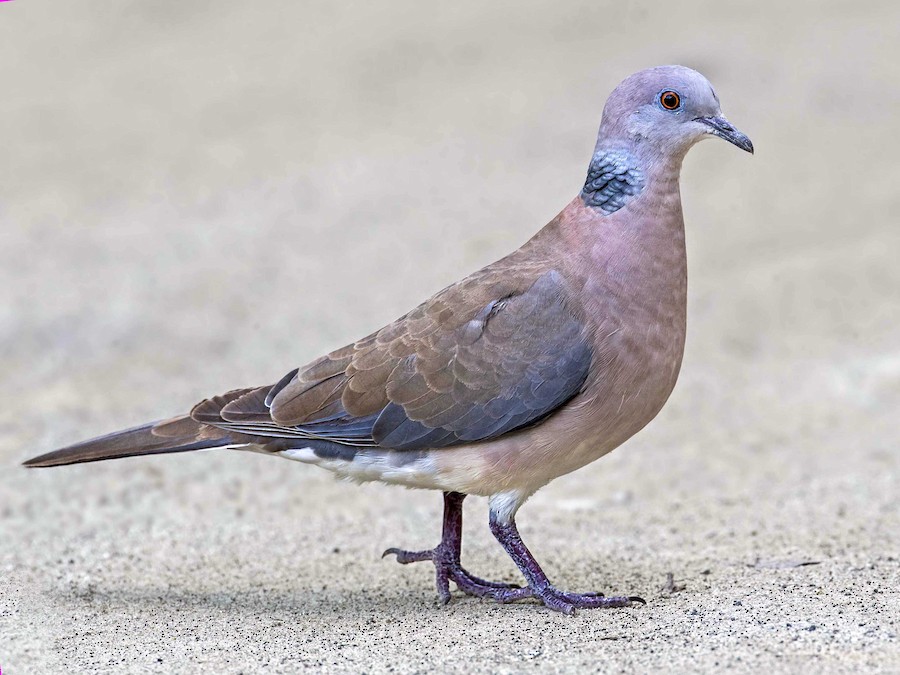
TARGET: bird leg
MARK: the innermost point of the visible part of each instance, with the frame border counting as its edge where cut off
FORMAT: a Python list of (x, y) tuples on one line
[(446, 557), (539, 586)]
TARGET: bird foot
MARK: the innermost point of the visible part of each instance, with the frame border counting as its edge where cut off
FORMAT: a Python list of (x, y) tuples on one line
[(561, 601), (448, 568), (567, 603)]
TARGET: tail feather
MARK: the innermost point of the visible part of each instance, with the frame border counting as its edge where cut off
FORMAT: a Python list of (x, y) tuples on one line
[(180, 434)]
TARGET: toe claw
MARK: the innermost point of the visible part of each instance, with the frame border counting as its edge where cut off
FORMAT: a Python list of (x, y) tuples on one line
[(405, 557), (636, 599)]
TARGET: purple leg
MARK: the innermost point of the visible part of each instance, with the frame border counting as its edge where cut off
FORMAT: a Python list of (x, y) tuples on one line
[(539, 586), (446, 557)]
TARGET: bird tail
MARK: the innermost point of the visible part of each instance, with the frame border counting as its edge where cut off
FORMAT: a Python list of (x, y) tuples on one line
[(179, 434)]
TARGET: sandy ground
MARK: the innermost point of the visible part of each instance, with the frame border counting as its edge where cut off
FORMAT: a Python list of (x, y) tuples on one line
[(197, 196)]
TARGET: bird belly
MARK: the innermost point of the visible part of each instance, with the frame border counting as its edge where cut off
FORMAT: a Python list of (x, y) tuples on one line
[(409, 469)]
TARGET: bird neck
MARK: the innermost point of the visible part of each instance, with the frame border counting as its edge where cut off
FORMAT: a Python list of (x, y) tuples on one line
[(644, 235), (617, 176), (640, 218), (614, 178)]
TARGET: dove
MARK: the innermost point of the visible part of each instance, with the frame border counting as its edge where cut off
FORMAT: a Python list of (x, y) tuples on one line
[(524, 371)]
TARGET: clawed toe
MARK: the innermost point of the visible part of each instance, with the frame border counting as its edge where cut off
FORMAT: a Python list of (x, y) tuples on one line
[(449, 569), (500, 591), (406, 557), (567, 603), (483, 582)]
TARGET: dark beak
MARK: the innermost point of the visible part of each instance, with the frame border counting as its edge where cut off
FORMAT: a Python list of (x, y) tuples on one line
[(719, 126)]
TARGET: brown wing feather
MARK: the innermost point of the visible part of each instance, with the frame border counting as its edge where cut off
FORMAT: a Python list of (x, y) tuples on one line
[(479, 359), (429, 333)]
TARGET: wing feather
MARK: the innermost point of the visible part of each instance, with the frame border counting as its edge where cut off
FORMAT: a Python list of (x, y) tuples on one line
[(490, 355)]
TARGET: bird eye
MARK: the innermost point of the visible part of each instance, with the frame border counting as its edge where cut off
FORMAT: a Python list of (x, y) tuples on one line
[(670, 100)]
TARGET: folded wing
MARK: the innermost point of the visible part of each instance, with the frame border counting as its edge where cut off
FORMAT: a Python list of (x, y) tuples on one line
[(480, 359)]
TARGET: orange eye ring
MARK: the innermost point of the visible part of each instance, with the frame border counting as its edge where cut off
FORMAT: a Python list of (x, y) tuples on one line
[(670, 100)]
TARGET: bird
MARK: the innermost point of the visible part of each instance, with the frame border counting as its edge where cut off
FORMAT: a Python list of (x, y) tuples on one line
[(524, 371)]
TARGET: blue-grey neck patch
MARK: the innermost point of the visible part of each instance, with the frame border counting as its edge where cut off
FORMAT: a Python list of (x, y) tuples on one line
[(613, 179)]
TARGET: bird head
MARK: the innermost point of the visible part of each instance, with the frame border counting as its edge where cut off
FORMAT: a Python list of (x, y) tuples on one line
[(666, 110)]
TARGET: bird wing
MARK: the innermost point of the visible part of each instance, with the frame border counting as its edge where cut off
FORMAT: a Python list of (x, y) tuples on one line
[(494, 353)]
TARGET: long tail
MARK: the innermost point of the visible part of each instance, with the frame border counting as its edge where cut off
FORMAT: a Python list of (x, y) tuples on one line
[(180, 434)]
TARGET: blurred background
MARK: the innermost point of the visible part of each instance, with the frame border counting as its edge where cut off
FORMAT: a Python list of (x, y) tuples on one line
[(199, 196)]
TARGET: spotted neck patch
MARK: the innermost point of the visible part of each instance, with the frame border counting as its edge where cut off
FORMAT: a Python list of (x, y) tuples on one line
[(613, 179)]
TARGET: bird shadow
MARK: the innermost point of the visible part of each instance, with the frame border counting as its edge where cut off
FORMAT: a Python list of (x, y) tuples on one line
[(396, 602)]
